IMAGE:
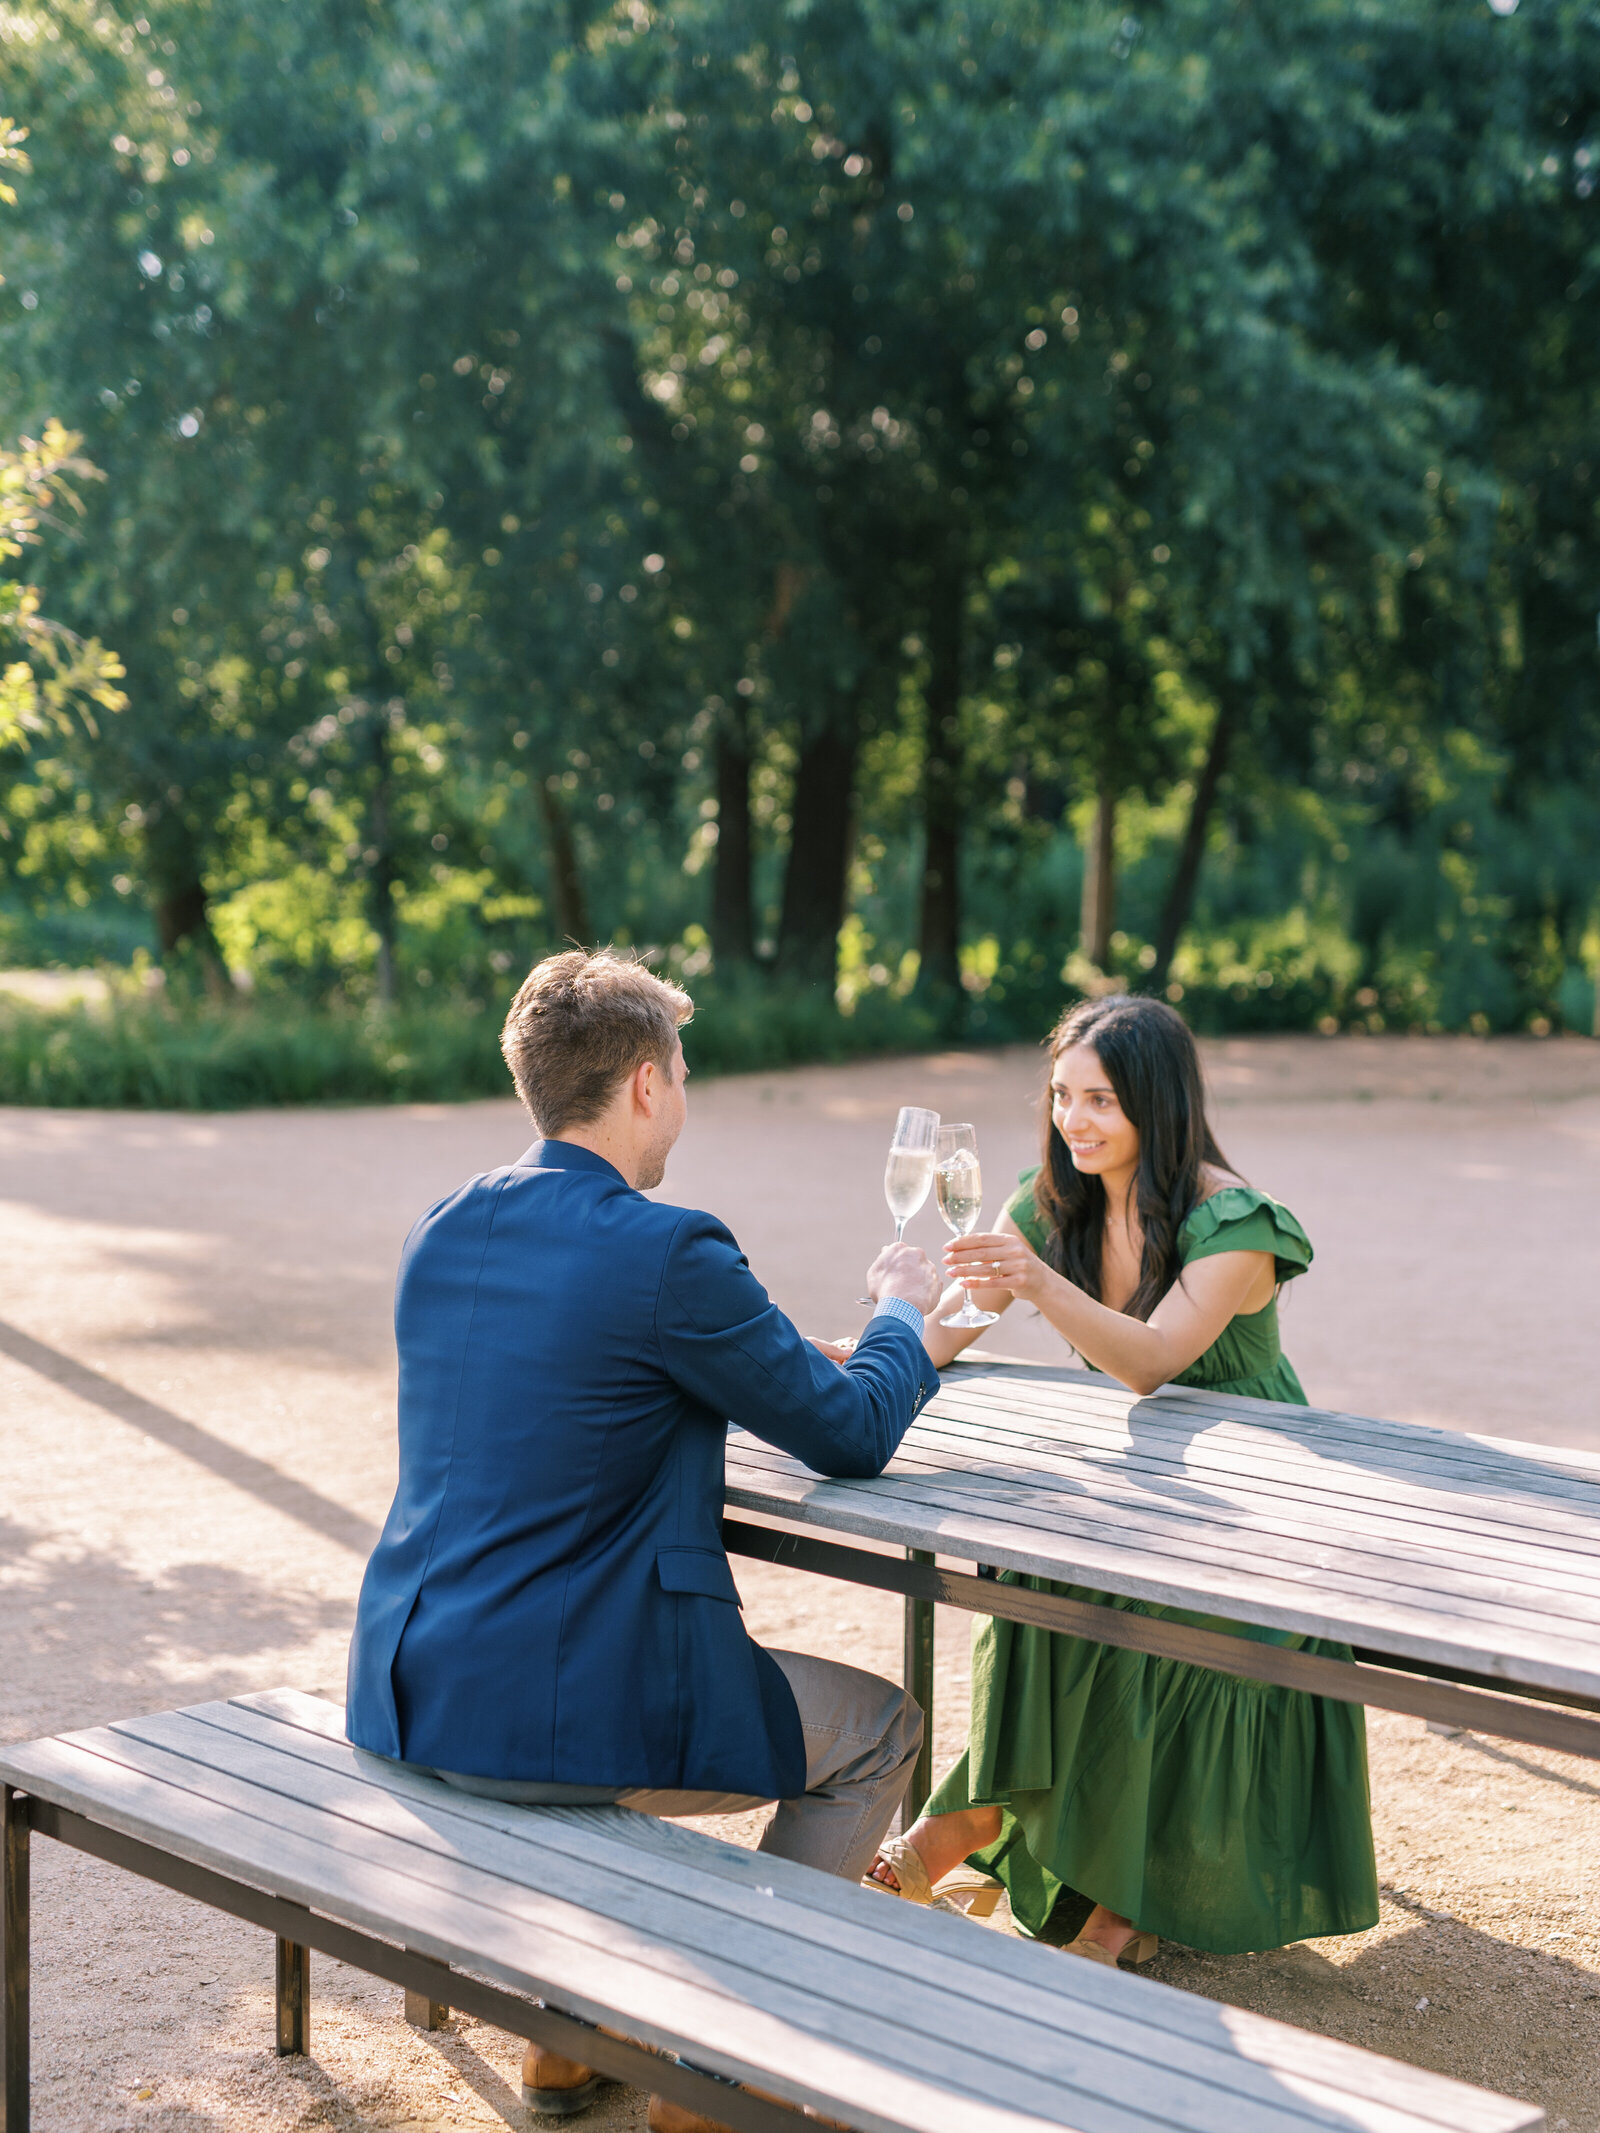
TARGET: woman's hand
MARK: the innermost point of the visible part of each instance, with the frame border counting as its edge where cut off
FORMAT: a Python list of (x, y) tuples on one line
[(995, 1259), (838, 1352)]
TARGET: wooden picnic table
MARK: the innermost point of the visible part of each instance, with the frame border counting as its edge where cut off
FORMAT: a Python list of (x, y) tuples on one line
[(1463, 1570)]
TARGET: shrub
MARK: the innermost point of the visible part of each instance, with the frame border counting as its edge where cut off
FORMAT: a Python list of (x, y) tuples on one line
[(151, 1053)]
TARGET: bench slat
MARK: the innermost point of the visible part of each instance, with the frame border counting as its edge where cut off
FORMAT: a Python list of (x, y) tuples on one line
[(605, 1984), (793, 1981), (888, 1934), (767, 1958)]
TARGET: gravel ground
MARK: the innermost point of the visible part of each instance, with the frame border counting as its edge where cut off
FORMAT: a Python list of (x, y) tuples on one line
[(197, 1377)]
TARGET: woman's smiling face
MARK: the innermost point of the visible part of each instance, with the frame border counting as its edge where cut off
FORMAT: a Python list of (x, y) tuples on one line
[(1100, 1136)]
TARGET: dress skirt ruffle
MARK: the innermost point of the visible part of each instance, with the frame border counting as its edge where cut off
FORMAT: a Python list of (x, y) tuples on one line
[(1223, 1814)]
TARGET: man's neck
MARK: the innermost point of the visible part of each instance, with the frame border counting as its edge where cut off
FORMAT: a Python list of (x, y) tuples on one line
[(601, 1140)]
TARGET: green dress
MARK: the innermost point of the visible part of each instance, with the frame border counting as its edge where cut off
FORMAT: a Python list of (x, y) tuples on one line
[(1227, 1815)]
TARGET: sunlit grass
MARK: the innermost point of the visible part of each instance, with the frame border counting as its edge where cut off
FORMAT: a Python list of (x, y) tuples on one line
[(151, 1054)]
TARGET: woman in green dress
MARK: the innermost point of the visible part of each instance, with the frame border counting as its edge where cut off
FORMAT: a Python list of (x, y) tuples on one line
[(1224, 1814)]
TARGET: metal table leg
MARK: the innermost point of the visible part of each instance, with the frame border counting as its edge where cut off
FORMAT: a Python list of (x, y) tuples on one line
[(919, 1680), (425, 2012), (294, 1998), (13, 1962)]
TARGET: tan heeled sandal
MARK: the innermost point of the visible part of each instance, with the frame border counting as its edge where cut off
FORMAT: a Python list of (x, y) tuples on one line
[(963, 1890), (1138, 1950), (973, 1894)]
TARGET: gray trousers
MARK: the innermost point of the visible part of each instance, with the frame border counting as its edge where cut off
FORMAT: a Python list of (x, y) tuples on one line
[(862, 1735)]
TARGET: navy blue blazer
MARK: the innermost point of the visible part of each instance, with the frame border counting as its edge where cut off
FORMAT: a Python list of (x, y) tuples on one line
[(550, 1599)]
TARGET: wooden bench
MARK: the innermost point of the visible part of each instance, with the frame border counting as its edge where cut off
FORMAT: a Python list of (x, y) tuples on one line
[(715, 1961)]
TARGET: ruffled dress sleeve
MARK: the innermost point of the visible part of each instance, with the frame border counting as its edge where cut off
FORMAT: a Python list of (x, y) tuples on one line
[(1240, 1219)]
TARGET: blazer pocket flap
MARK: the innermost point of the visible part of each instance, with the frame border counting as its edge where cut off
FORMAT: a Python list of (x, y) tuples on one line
[(702, 1570)]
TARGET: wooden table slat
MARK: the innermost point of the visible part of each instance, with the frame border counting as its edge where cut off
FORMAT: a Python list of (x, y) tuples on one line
[(1215, 1460), (976, 1369), (1181, 1557), (1076, 1431), (1463, 1553), (1550, 1475), (1569, 1586), (1552, 1478)]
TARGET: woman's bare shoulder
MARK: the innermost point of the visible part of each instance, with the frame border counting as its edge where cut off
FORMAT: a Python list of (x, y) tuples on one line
[(1213, 1180)]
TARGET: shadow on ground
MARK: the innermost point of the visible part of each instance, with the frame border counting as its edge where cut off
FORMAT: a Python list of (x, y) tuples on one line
[(121, 1642), (1434, 1993)]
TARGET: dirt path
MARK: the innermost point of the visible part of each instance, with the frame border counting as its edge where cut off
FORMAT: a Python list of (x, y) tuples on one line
[(197, 1381)]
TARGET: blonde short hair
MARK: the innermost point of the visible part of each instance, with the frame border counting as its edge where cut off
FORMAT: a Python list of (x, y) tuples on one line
[(580, 1025)]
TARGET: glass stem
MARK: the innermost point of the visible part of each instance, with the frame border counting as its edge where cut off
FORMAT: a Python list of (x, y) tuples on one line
[(899, 1228)]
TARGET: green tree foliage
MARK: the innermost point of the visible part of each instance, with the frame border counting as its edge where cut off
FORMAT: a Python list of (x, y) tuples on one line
[(877, 494), (51, 681), (48, 675)]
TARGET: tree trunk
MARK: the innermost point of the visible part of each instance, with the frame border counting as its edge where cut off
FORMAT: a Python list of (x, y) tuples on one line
[(1100, 879), (939, 933), (732, 923), (561, 860), (815, 882), (181, 915), (1186, 874), (178, 898)]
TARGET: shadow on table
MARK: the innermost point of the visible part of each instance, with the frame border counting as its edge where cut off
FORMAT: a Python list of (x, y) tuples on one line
[(1392, 1447), (1164, 1424), (1410, 1454)]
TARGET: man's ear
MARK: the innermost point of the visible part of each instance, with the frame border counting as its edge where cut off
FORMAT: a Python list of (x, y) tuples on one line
[(644, 1080)]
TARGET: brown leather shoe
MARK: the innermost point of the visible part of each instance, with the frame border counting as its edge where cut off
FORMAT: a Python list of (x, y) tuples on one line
[(668, 2117), (558, 2087)]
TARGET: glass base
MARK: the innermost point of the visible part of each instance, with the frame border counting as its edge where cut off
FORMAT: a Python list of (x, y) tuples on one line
[(969, 1317)]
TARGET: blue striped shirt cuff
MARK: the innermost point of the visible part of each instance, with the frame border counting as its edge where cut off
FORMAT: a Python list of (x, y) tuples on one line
[(897, 1307)]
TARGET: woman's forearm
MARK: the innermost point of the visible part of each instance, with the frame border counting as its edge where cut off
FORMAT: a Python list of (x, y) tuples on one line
[(945, 1343), (1124, 1348), (1188, 1319), (1142, 1356)]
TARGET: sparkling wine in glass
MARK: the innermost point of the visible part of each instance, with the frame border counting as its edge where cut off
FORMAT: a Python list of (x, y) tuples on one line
[(908, 1174), (959, 1178)]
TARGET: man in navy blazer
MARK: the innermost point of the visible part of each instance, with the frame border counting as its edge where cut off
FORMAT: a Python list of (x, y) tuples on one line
[(549, 1615)]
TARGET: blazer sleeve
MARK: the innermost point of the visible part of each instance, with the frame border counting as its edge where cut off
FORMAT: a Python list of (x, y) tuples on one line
[(727, 1344)]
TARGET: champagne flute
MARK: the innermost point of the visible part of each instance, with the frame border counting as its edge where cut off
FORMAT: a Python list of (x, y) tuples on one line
[(908, 1174), (960, 1185)]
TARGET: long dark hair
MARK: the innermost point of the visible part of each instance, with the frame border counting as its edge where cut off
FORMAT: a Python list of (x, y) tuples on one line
[(1151, 1063)]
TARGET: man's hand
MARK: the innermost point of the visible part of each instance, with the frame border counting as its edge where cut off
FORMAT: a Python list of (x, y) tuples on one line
[(904, 1270)]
